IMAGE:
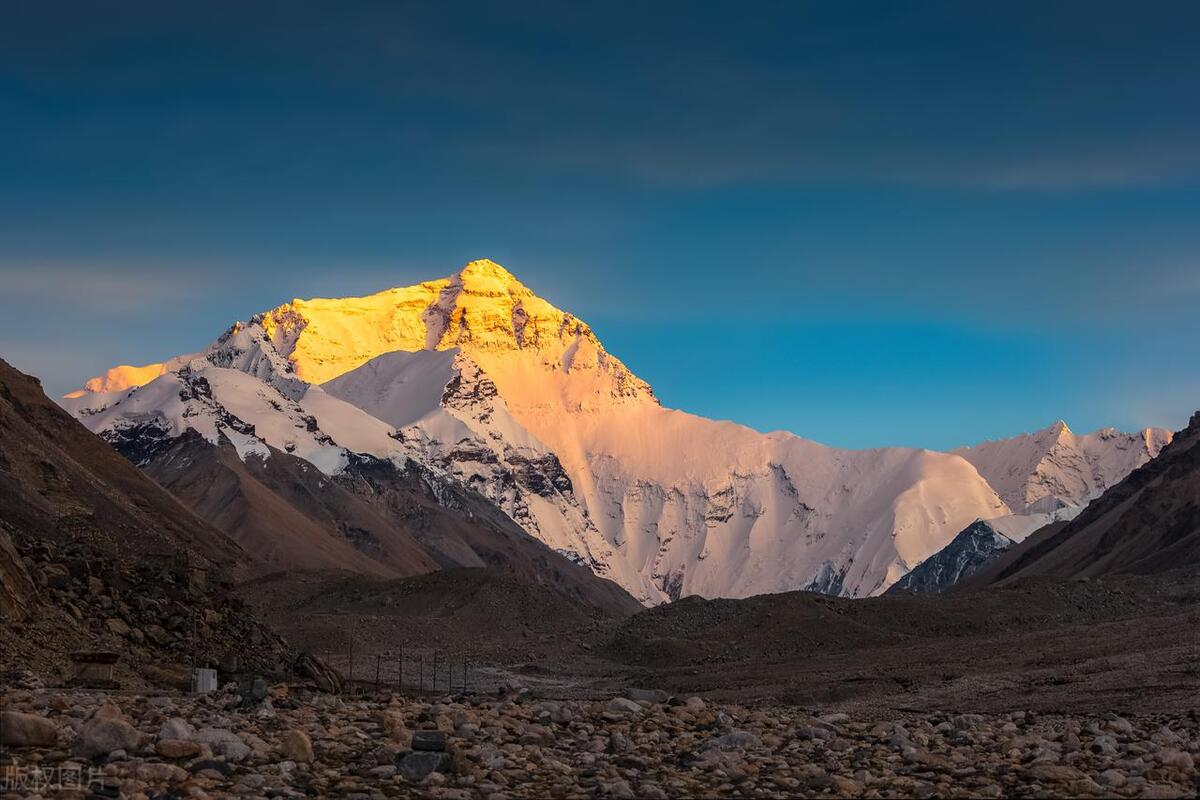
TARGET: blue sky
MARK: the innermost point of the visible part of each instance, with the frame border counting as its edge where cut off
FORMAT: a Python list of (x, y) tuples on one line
[(871, 224)]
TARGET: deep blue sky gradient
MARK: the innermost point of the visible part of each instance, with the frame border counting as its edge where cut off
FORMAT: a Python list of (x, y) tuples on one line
[(871, 224)]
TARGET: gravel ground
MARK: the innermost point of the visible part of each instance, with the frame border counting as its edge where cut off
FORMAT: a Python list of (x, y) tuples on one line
[(295, 742)]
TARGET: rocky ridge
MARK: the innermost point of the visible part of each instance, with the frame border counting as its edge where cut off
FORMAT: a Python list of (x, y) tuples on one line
[(979, 544)]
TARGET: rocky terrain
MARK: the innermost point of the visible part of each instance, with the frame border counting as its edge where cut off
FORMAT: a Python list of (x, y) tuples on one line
[(96, 557), (286, 742)]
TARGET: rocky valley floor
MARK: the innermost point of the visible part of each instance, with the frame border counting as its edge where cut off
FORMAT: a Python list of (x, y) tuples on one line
[(1116, 644), (643, 744)]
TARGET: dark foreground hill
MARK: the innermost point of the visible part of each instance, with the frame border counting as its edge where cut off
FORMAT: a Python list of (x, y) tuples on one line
[(96, 556), (374, 518)]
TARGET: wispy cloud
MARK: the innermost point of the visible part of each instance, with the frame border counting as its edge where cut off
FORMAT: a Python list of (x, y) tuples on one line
[(103, 290)]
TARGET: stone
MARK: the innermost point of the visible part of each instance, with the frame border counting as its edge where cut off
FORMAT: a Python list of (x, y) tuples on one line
[(1119, 725), (160, 773), (618, 790), (622, 705), (107, 711), (734, 740), (177, 748), (1084, 787), (846, 786), (27, 730), (116, 626), (429, 741), (419, 764), (296, 746), (647, 695), (1114, 778), (101, 736), (214, 736), (220, 768), (234, 752), (1177, 759), (1053, 773), (176, 728)]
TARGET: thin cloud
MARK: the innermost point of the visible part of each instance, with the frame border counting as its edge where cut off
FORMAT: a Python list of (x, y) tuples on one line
[(97, 289)]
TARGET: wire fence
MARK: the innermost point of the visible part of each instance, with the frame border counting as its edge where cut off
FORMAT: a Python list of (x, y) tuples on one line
[(403, 671)]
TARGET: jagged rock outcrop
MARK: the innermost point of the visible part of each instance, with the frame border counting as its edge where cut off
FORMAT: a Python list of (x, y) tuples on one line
[(976, 546), (18, 595)]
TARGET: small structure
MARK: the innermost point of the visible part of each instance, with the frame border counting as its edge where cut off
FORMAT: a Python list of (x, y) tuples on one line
[(204, 680), (94, 669)]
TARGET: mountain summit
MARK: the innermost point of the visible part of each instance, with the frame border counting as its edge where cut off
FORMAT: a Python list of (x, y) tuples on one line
[(479, 380)]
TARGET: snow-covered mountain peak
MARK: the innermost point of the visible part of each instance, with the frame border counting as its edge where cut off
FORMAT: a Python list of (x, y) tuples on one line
[(486, 384), (1056, 468), (527, 344), (1059, 429)]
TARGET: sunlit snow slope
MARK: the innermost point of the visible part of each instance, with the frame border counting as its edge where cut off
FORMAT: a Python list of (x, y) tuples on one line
[(478, 378)]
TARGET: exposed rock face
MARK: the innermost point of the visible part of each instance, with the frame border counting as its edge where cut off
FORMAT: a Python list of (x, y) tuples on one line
[(18, 595), (976, 546)]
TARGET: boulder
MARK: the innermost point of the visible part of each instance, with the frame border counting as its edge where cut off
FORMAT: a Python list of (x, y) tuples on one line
[(116, 626), (177, 748), (27, 730), (177, 728), (296, 746), (103, 735), (622, 705), (161, 773), (419, 764), (734, 740), (429, 741)]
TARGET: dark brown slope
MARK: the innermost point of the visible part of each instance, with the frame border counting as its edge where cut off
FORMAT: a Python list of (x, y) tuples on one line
[(487, 613), (95, 555), (60, 483), (1126, 642), (1147, 523), (285, 512), (373, 519)]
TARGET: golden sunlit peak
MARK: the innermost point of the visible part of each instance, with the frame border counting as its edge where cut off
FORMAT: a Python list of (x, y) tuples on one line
[(485, 266), (487, 272)]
